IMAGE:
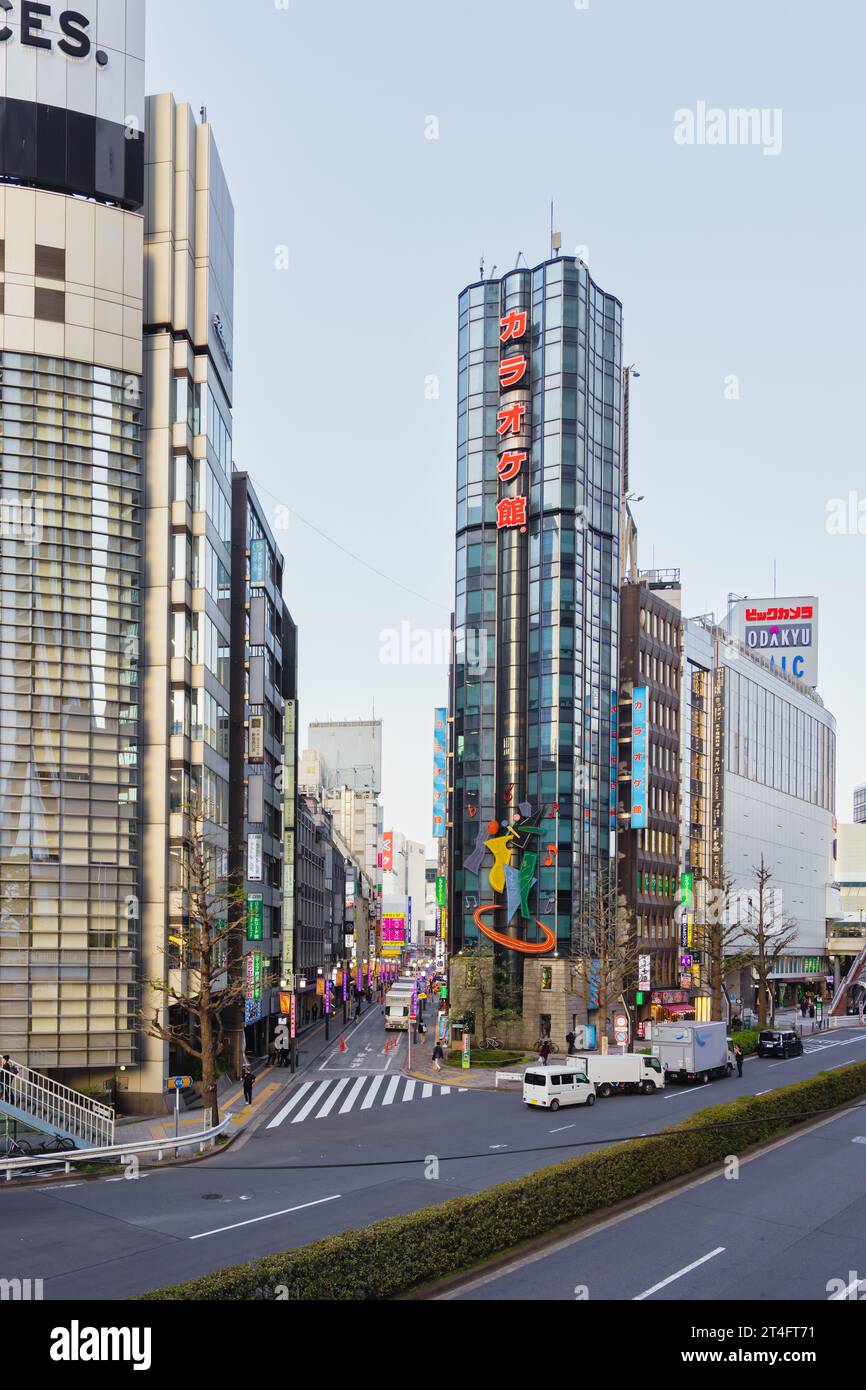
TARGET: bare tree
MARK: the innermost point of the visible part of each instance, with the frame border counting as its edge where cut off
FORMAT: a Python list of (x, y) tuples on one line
[(715, 938), (762, 933), (197, 1018), (605, 949)]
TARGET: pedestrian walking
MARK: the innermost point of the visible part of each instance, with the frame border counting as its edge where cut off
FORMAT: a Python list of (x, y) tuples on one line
[(570, 1039), (438, 1055), (811, 1010), (544, 1052), (7, 1071), (804, 1007), (738, 1058), (249, 1082)]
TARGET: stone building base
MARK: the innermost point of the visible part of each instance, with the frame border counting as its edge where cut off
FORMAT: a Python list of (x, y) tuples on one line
[(551, 1003)]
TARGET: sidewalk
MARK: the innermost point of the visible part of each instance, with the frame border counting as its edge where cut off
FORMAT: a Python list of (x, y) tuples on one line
[(473, 1078)]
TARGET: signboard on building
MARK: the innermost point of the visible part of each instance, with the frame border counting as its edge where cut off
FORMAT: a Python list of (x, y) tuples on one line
[(257, 738), (644, 971), (257, 562), (440, 736), (255, 858), (639, 758), (717, 816), (784, 631), (255, 917), (614, 754), (440, 891), (387, 864)]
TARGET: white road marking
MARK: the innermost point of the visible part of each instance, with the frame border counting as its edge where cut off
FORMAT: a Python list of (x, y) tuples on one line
[(354, 1094), (426, 1090), (333, 1098), (290, 1105), (679, 1096), (311, 1103), (409, 1091), (371, 1094), (270, 1217), (763, 1093), (672, 1278), (564, 1127), (388, 1098)]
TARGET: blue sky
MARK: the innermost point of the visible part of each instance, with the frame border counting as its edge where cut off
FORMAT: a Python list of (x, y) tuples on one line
[(728, 262)]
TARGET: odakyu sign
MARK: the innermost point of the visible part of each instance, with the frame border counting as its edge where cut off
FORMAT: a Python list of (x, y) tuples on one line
[(784, 632), (72, 97)]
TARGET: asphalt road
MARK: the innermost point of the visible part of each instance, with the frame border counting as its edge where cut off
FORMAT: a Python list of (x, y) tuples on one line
[(790, 1226), (291, 1183)]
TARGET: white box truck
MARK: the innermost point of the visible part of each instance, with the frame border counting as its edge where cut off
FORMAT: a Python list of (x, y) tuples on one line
[(398, 1006), (629, 1071), (692, 1051)]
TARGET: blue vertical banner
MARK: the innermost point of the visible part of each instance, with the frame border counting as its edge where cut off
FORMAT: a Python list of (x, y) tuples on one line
[(614, 754), (639, 758), (440, 735), (257, 562)]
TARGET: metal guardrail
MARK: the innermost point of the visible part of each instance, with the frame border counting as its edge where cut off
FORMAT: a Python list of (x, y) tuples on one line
[(9, 1166), (55, 1107)]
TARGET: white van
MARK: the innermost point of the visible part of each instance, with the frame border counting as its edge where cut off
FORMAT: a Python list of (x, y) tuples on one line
[(556, 1086), (629, 1071)]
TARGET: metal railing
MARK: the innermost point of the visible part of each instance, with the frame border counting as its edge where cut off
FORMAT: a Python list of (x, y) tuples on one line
[(9, 1166), (855, 975), (57, 1108)]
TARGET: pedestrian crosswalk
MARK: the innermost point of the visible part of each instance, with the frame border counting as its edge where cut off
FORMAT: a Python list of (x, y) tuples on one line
[(316, 1100)]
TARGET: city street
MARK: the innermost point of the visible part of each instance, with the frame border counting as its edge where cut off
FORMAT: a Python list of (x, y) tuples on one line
[(359, 1149), (792, 1223)]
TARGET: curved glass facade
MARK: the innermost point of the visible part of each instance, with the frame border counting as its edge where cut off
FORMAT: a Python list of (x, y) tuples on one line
[(535, 674), (70, 561)]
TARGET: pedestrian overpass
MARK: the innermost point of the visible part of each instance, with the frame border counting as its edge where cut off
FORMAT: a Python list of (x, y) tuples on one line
[(34, 1100), (853, 986)]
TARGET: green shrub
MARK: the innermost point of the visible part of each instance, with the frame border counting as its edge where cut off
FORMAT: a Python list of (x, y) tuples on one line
[(748, 1040), (391, 1257)]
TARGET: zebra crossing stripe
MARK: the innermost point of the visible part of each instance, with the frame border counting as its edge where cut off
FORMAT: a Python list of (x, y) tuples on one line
[(372, 1093), (311, 1103), (409, 1091), (289, 1107), (353, 1095), (388, 1098), (426, 1090), (333, 1098)]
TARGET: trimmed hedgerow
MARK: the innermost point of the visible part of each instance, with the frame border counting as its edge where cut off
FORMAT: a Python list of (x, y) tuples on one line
[(392, 1257), (748, 1040)]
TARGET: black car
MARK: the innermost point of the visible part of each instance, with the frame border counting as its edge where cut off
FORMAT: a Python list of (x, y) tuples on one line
[(780, 1042)]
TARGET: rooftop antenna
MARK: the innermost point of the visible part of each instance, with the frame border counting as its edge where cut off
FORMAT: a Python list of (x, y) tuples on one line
[(481, 270), (555, 237), (203, 114), (493, 272), (520, 257)]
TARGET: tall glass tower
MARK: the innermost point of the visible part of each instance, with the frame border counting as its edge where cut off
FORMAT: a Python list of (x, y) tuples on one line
[(534, 699)]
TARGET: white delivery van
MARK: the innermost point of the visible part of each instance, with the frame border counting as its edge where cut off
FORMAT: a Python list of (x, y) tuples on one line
[(631, 1071), (559, 1085)]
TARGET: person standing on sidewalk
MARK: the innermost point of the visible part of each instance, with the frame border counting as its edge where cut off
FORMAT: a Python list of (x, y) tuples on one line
[(438, 1055), (249, 1082)]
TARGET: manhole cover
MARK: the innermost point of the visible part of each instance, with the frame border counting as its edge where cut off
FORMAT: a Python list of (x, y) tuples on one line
[(212, 1197)]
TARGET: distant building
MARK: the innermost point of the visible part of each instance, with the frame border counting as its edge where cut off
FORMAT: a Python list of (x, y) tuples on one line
[(350, 752)]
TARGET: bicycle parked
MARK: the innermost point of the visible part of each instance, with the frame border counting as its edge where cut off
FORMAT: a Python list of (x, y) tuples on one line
[(10, 1147), (58, 1145)]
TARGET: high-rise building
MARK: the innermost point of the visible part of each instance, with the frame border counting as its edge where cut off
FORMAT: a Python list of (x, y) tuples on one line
[(187, 592), (761, 782), (860, 805), (72, 534), (650, 733), (262, 680), (535, 674)]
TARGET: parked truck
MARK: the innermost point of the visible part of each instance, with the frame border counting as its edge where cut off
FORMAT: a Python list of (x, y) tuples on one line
[(618, 1071), (398, 1006), (692, 1051)]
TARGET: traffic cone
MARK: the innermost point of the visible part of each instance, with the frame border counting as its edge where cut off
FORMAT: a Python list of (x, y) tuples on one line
[(343, 1047)]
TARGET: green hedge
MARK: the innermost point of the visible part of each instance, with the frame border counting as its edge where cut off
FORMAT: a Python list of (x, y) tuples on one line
[(748, 1040), (391, 1257)]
